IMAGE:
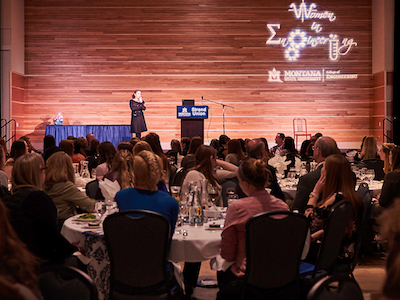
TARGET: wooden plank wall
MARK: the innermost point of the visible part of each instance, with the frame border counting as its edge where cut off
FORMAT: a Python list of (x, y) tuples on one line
[(86, 58)]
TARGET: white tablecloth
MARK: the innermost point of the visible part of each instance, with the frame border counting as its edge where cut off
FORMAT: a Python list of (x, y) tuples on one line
[(198, 245)]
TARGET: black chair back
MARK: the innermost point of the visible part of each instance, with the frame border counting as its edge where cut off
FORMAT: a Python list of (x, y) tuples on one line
[(65, 283), (336, 287), (178, 177), (335, 226), (274, 244), (138, 243)]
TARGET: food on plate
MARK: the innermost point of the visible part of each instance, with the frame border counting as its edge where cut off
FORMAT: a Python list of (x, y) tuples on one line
[(87, 217)]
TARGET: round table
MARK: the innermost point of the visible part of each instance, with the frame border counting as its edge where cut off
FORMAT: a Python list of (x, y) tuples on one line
[(198, 244)]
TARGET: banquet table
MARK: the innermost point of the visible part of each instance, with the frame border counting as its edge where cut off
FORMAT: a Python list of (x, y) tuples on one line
[(375, 187), (198, 244)]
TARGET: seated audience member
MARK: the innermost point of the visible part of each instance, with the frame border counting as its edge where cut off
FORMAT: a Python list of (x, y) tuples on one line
[(29, 146), (83, 144), (390, 231), (253, 178), (107, 153), (391, 184), (324, 146), (3, 175), (60, 185), (214, 143), (18, 149), (185, 141), (33, 214), (290, 151), (4, 145), (18, 267), (154, 141), (88, 147), (175, 154), (335, 183), (267, 151), (235, 154), (145, 195), (125, 147), (67, 146), (93, 156), (122, 169), (358, 157), (77, 157), (303, 151), (189, 161), (222, 150), (256, 149), (48, 142), (370, 157), (279, 139), (383, 153)]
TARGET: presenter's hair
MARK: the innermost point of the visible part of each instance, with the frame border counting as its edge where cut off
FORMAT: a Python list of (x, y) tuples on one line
[(59, 169), (27, 171)]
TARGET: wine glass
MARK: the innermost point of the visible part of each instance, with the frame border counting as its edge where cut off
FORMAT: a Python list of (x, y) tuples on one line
[(231, 195), (291, 177), (370, 175), (175, 192), (362, 174), (212, 193), (279, 176)]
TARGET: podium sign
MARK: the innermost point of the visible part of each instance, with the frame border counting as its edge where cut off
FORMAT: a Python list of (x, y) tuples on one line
[(192, 112)]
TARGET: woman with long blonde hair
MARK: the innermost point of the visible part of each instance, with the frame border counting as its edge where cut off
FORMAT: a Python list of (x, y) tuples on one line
[(32, 212), (383, 153), (60, 186)]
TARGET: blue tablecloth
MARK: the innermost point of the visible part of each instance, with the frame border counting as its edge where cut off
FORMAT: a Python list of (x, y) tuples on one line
[(111, 133)]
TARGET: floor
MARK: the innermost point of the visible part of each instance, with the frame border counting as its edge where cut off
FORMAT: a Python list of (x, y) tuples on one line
[(369, 274)]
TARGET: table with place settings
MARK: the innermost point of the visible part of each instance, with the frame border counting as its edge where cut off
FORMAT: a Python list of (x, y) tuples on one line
[(189, 244)]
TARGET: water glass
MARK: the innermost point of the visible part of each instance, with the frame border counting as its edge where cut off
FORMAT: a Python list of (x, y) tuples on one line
[(292, 178), (231, 195), (370, 175)]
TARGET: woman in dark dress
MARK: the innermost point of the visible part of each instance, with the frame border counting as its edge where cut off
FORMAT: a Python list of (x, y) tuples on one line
[(138, 124)]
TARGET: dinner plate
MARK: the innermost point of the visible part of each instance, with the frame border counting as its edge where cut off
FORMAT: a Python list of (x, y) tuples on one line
[(86, 220)]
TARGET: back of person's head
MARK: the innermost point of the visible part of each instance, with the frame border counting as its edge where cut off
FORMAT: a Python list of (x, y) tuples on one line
[(317, 135), (17, 262), (147, 170), (255, 148), (370, 148), (94, 145), (82, 141), (339, 178), (385, 150), (255, 172), (327, 146), (176, 146), (223, 139), (48, 141), (140, 146), (27, 171), (107, 153), (2, 158), (123, 166), (125, 146), (77, 146), (185, 141), (59, 169), (235, 146), (303, 149), (71, 138), (3, 144), (67, 146), (195, 143), (18, 148), (90, 137), (154, 141), (214, 143), (288, 145), (396, 158), (264, 140), (203, 162)]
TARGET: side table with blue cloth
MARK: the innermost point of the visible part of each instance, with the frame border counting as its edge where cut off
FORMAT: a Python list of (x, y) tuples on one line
[(111, 133)]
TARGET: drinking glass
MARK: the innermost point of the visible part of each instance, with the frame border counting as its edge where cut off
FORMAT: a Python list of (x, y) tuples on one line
[(231, 195), (212, 193), (291, 177), (279, 176), (370, 175), (175, 192), (362, 174)]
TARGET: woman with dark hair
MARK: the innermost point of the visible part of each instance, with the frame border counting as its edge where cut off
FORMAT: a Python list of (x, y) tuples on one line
[(18, 149), (154, 141), (138, 124), (107, 153), (189, 161), (93, 158), (175, 154), (222, 150), (290, 151), (391, 183), (18, 267), (235, 153), (253, 178), (33, 214), (336, 183), (77, 156), (4, 145)]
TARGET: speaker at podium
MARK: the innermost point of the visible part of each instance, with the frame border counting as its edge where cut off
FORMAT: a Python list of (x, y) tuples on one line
[(192, 118)]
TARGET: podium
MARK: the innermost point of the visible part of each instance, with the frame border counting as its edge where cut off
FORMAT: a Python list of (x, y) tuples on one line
[(192, 119)]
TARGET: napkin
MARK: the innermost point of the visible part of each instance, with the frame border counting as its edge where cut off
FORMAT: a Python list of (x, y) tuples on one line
[(220, 264), (109, 188), (279, 163), (297, 164)]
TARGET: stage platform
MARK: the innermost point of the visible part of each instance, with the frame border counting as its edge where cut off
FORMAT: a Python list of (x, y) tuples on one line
[(112, 133)]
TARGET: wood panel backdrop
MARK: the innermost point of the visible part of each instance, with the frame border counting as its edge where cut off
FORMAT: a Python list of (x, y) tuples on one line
[(86, 58)]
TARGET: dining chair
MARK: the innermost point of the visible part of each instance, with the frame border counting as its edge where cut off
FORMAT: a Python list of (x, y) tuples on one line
[(335, 226), (138, 244), (274, 244), (335, 287), (300, 129), (65, 283)]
